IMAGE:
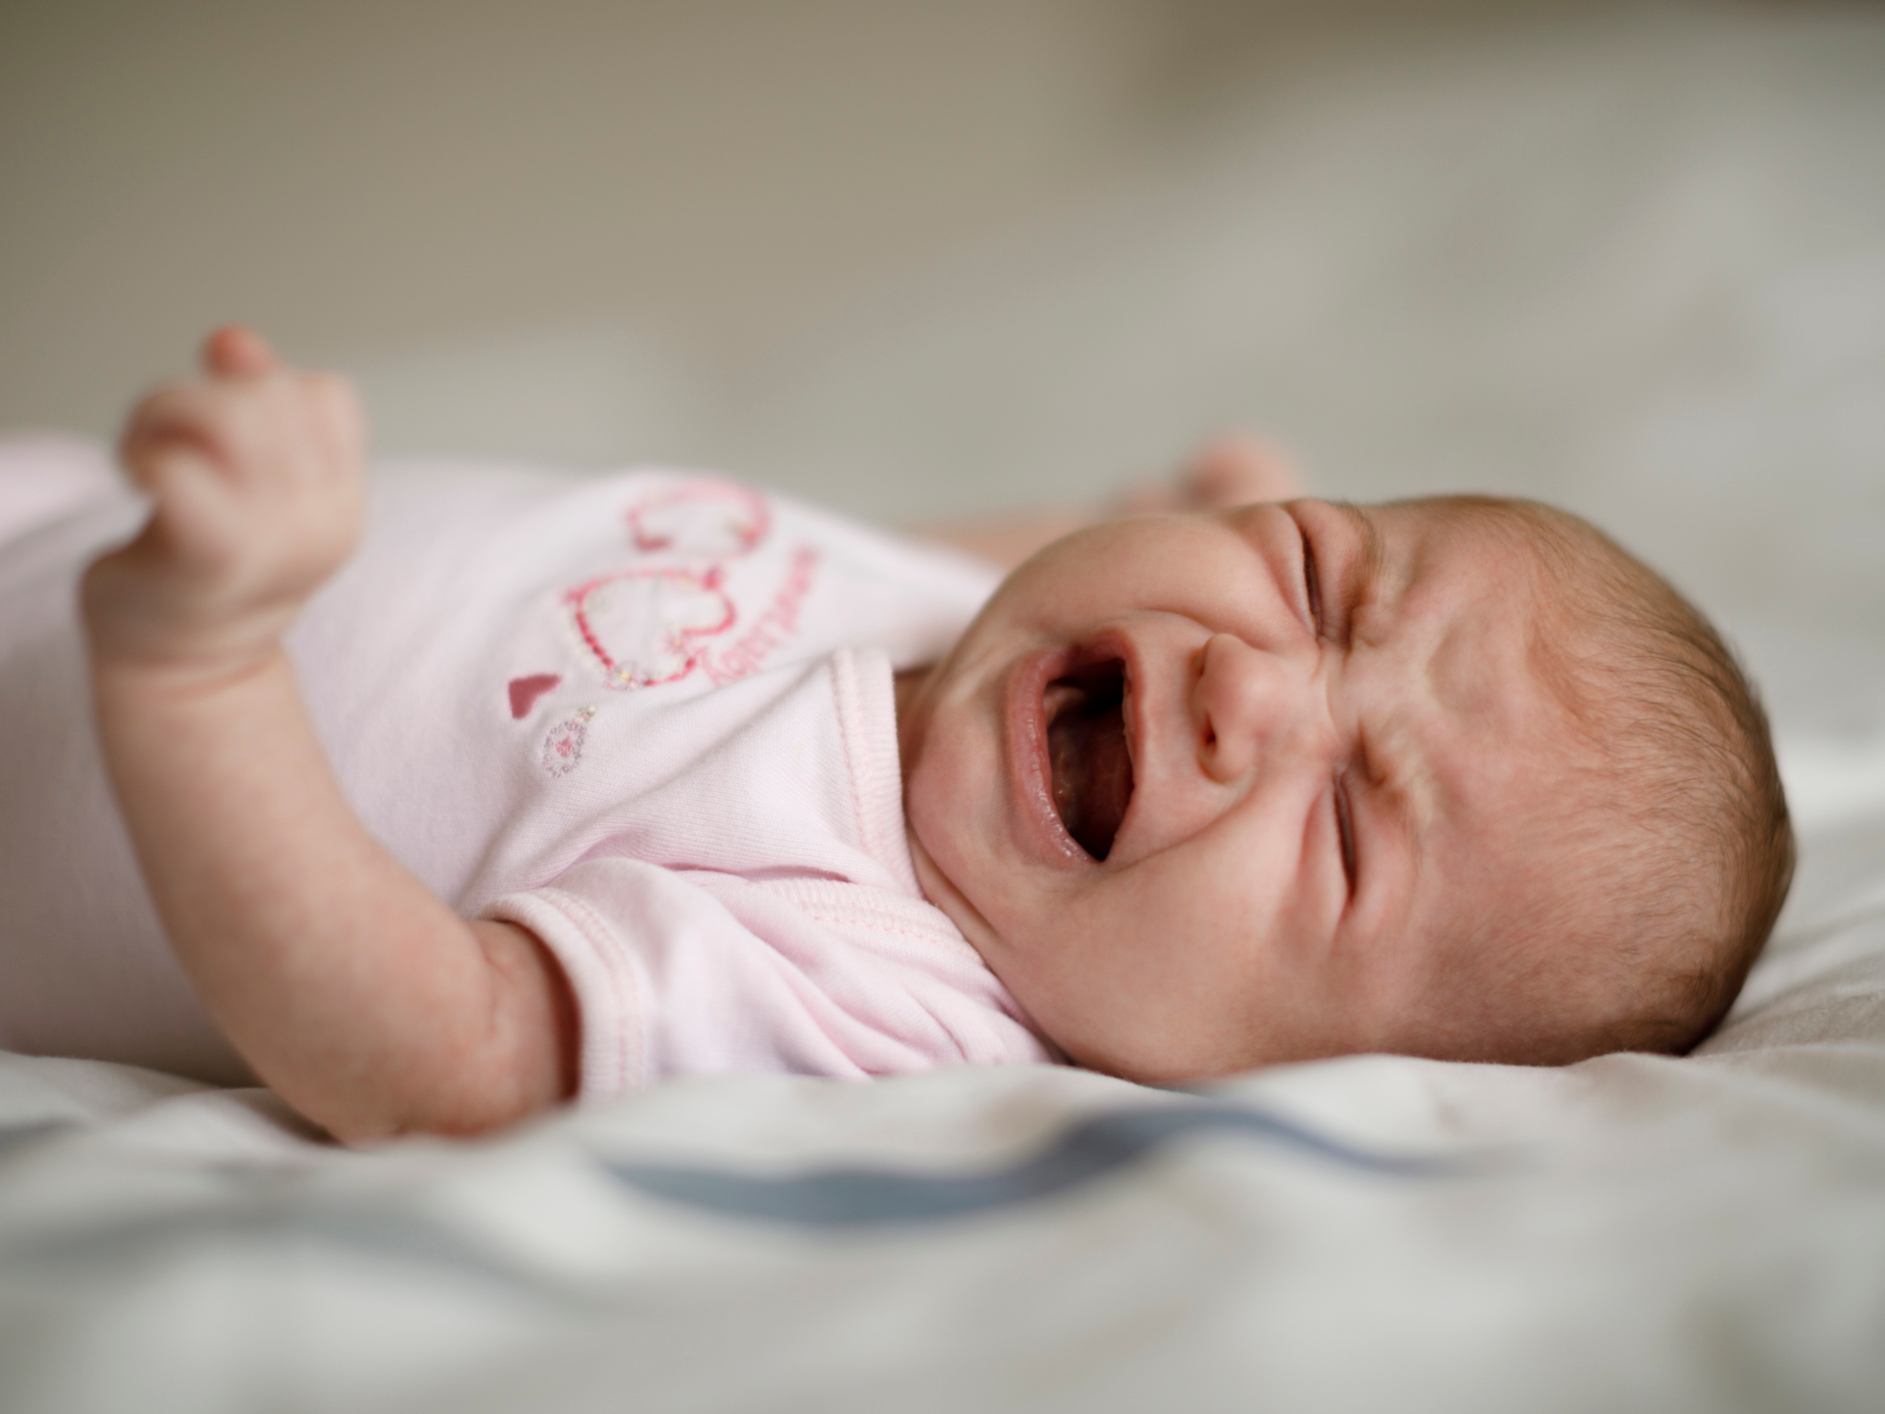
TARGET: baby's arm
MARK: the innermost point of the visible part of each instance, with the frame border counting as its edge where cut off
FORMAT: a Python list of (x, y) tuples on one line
[(1232, 471), (349, 987)]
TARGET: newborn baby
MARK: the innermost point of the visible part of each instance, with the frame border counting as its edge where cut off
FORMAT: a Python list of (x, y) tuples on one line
[(1202, 791), (1454, 778)]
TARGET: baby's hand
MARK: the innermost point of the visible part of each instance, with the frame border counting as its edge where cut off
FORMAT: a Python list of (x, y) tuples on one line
[(1232, 471), (256, 473)]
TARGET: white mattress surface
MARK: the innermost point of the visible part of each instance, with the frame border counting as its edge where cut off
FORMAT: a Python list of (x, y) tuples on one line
[(1633, 1232)]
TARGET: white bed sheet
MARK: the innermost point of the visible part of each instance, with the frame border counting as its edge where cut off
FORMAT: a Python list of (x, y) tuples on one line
[(1375, 1232)]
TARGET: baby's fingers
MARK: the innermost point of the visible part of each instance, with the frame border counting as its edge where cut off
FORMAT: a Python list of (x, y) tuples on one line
[(198, 523), (255, 471), (267, 433), (256, 478), (204, 418)]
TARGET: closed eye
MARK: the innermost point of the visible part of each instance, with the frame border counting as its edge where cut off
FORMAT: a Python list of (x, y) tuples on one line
[(1345, 828), (1313, 584)]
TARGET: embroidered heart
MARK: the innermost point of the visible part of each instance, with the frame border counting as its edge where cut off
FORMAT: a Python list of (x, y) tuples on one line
[(648, 627), (702, 518), (526, 691)]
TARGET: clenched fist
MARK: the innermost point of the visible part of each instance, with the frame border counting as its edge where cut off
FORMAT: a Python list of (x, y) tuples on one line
[(256, 472)]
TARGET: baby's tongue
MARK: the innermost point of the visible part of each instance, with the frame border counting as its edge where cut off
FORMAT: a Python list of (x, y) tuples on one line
[(1092, 769)]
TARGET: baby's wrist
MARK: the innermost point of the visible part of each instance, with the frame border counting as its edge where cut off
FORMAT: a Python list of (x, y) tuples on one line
[(141, 627), (146, 708)]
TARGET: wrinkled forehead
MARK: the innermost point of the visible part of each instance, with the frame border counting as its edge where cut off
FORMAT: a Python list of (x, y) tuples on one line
[(1473, 587), (1457, 562), (1458, 602), (1463, 607)]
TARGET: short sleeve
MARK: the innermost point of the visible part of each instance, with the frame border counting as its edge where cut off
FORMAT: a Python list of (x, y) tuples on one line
[(693, 972)]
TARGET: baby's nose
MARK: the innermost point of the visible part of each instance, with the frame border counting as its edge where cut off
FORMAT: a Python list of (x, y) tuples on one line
[(1248, 704)]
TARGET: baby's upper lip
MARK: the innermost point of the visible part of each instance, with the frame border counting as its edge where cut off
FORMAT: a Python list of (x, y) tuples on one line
[(1128, 652), (1118, 643)]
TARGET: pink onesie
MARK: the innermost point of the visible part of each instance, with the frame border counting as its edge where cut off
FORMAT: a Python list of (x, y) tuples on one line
[(648, 716)]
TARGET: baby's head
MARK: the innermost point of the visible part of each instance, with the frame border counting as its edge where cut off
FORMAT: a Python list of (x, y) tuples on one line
[(1455, 778)]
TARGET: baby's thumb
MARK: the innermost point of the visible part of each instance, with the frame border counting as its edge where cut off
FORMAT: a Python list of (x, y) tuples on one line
[(235, 352)]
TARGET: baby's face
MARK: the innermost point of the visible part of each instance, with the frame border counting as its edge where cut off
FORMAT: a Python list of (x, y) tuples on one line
[(1214, 791)]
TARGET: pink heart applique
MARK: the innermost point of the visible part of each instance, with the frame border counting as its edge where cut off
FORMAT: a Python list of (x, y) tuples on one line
[(648, 627), (526, 691)]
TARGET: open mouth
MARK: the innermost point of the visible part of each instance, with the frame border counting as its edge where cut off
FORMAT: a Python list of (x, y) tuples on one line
[(1087, 753)]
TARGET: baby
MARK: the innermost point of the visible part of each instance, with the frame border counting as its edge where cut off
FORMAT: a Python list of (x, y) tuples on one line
[(1201, 791)]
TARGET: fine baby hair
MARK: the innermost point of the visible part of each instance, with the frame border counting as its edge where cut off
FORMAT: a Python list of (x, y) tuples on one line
[(1670, 835)]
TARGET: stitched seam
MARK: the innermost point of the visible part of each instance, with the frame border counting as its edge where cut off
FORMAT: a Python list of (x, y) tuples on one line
[(859, 771), (827, 900), (876, 924)]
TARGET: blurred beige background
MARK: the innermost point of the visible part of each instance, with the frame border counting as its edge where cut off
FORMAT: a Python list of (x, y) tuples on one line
[(401, 180), (920, 259)]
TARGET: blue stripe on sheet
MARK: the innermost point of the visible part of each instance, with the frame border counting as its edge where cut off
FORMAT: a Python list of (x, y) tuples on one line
[(18, 1136), (1091, 1149)]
